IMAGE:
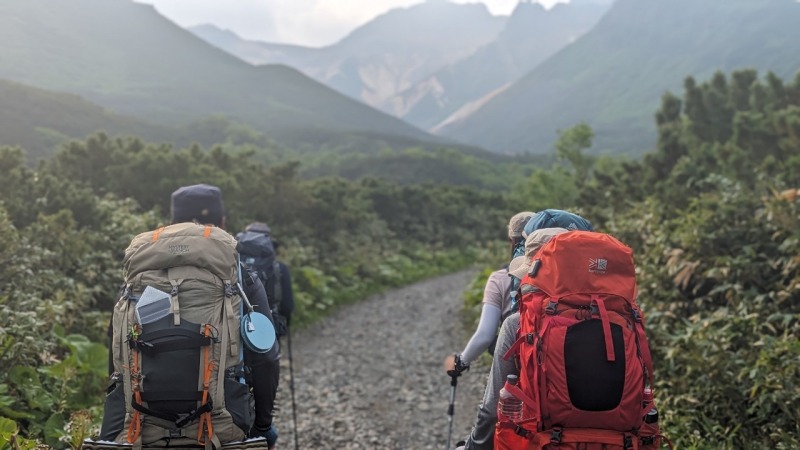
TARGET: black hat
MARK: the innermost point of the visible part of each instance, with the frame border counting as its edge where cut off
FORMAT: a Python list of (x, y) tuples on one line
[(200, 202)]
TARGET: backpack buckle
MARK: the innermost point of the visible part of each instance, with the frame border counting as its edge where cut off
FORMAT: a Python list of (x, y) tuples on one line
[(551, 307), (556, 435), (228, 289), (637, 316), (627, 442), (527, 289), (529, 338)]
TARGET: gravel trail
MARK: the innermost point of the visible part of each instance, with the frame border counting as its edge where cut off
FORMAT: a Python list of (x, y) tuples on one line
[(370, 376)]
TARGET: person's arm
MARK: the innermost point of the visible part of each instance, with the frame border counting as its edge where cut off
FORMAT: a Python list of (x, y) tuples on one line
[(493, 299), (493, 294), (482, 435), (484, 335), (287, 302), (265, 370)]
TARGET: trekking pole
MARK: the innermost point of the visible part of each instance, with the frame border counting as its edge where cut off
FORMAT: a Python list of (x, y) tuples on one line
[(291, 387), (451, 409)]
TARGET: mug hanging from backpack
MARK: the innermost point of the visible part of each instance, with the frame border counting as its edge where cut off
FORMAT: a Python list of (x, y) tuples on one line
[(258, 332)]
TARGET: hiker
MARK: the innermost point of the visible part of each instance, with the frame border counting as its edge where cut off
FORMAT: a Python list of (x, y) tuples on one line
[(198, 259), (259, 250), (482, 435), (579, 350), (496, 302), (548, 218)]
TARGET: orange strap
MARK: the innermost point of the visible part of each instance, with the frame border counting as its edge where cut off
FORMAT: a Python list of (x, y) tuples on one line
[(157, 232), (205, 418), (207, 232), (135, 428)]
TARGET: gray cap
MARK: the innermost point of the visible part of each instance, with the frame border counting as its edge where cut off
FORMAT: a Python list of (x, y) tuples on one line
[(520, 265), (517, 223)]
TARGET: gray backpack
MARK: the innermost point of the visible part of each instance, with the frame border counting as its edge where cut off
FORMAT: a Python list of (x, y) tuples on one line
[(178, 372)]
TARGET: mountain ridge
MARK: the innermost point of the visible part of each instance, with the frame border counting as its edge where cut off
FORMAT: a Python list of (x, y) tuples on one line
[(613, 77), (124, 56), (39, 120), (380, 58), (531, 35)]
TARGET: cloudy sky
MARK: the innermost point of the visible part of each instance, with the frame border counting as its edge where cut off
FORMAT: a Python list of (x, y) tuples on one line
[(305, 22)]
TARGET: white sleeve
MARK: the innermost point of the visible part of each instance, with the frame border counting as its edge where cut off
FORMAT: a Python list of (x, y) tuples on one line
[(484, 335)]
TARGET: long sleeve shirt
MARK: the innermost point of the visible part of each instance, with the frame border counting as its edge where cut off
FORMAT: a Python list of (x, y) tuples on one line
[(496, 304)]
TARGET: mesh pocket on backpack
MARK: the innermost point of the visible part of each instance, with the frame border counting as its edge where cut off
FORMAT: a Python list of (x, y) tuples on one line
[(240, 404), (171, 376)]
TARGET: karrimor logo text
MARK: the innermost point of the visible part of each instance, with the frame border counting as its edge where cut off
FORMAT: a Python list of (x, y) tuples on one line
[(598, 265)]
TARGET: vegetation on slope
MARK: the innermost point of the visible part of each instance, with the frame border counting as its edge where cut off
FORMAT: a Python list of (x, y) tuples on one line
[(713, 216)]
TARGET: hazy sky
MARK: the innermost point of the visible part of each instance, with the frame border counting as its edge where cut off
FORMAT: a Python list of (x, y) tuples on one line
[(305, 22)]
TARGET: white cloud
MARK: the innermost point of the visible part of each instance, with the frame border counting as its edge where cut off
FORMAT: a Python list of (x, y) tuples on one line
[(303, 22)]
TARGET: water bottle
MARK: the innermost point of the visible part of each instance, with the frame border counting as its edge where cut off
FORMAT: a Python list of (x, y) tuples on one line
[(510, 406), (652, 416), (647, 396)]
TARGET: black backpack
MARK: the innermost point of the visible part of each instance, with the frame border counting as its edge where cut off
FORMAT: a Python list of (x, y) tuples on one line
[(257, 252)]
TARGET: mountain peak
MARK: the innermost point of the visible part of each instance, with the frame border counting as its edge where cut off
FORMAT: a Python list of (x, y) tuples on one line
[(526, 6), (208, 28)]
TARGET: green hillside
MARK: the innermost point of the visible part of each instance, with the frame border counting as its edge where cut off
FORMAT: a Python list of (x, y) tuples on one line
[(124, 56), (466, 167), (39, 120), (613, 77)]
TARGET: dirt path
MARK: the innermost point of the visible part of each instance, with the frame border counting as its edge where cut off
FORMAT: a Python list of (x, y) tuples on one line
[(371, 377)]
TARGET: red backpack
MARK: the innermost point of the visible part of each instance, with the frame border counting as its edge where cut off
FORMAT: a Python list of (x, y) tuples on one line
[(585, 366)]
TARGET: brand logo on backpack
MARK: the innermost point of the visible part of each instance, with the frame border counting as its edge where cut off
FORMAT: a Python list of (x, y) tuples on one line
[(179, 249), (598, 266)]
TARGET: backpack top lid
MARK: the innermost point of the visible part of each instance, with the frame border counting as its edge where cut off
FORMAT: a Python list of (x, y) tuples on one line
[(182, 244), (556, 218), (584, 262), (521, 265), (254, 243)]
